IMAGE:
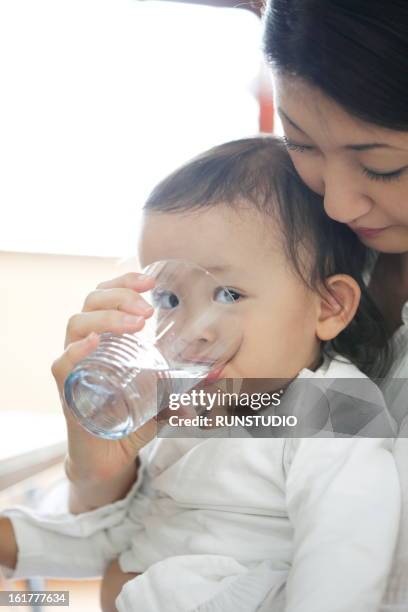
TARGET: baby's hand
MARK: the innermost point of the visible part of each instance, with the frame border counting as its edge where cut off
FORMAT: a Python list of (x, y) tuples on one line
[(112, 583), (116, 306)]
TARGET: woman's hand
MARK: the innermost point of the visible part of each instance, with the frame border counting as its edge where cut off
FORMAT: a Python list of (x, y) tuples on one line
[(112, 584), (8, 544), (102, 471)]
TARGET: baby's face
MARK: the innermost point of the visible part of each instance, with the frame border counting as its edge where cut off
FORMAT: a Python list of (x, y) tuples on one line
[(243, 249)]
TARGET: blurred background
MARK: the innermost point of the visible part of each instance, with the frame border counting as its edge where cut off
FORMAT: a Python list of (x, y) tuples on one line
[(100, 99)]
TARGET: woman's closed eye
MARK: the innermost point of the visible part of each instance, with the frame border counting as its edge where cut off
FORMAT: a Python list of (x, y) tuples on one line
[(383, 176), (373, 175), (295, 146), (226, 295)]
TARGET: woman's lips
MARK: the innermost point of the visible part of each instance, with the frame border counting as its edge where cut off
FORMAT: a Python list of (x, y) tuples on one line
[(368, 232)]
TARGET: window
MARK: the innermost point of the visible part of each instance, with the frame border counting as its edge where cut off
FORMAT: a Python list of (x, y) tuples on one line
[(100, 99)]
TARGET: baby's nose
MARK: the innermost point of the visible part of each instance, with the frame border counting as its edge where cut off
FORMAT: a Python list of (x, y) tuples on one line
[(197, 344)]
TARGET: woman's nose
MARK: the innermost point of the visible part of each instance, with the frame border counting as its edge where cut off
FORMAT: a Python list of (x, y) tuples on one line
[(343, 203)]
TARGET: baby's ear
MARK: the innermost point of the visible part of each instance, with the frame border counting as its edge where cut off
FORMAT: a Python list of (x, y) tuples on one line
[(337, 306)]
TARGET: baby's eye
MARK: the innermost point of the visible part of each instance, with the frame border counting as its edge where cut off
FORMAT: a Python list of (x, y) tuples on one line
[(164, 299), (226, 296)]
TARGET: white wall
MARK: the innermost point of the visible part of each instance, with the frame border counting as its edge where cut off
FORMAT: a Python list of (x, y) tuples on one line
[(38, 293)]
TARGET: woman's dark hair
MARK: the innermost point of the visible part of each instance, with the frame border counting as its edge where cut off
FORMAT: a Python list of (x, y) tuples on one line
[(259, 172), (355, 51)]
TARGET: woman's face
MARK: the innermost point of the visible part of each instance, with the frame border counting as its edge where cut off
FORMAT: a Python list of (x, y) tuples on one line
[(361, 169)]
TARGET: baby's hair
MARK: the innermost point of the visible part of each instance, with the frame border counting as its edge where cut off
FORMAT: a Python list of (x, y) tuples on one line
[(258, 171)]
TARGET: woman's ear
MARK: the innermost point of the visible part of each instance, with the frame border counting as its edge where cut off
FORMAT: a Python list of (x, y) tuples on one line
[(337, 305)]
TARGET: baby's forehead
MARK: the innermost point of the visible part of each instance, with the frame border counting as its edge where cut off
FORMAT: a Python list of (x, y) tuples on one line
[(222, 234)]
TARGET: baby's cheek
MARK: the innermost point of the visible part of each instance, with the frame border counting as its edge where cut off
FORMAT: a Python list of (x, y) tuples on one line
[(253, 360), (270, 348), (258, 353)]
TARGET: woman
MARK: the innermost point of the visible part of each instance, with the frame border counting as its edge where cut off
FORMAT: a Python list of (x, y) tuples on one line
[(341, 87)]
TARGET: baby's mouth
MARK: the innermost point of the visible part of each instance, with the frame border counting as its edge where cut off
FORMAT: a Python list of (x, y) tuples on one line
[(214, 374)]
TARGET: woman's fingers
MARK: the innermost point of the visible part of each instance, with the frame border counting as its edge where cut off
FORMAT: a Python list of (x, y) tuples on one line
[(101, 321)]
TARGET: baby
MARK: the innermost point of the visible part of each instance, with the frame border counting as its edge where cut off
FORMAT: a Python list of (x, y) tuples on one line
[(216, 524)]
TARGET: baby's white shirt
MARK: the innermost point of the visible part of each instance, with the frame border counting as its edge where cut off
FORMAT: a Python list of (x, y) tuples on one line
[(229, 524)]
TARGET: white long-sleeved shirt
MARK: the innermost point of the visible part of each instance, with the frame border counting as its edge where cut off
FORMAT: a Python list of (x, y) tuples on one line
[(227, 524), (395, 389)]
